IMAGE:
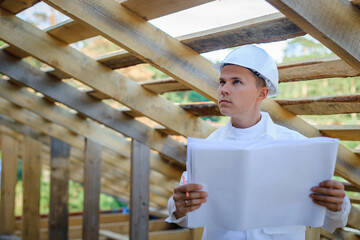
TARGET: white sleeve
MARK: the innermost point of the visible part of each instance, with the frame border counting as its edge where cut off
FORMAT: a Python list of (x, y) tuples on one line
[(338, 219), (172, 208)]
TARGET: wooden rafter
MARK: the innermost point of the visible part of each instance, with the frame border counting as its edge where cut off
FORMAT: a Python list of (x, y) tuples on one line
[(120, 88), (16, 6), (95, 109), (323, 24), (154, 9), (343, 132)]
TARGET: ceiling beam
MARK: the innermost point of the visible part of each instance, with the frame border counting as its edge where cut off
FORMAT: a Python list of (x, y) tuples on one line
[(322, 19), (63, 57), (89, 106), (343, 132)]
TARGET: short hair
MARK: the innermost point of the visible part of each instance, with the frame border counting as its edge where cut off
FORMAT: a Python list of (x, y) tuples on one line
[(259, 81)]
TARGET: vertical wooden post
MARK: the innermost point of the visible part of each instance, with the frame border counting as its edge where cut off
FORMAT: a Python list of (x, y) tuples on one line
[(31, 189), (59, 182), (10, 151), (312, 233), (92, 175), (139, 196)]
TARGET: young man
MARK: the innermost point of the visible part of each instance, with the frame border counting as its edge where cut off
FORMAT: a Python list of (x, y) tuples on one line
[(247, 76)]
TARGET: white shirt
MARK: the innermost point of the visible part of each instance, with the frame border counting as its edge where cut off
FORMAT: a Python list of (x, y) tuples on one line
[(265, 129)]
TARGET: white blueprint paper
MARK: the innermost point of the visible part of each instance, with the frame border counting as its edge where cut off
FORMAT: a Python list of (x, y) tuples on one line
[(259, 184)]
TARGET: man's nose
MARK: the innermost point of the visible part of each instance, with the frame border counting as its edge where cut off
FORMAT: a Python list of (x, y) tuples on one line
[(225, 89)]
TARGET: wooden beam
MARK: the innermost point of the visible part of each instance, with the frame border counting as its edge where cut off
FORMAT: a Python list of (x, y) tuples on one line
[(343, 132), (9, 163), (92, 175), (327, 67), (94, 109), (269, 28), (312, 233), (128, 92), (31, 189), (355, 2), (354, 199), (162, 51), (87, 128), (323, 24), (139, 206), (154, 9), (16, 6), (354, 218), (59, 182), (322, 105)]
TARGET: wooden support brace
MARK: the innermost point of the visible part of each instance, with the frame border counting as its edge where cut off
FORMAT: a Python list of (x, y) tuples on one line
[(58, 218), (9, 163), (31, 189), (139, 206), (92, 175)]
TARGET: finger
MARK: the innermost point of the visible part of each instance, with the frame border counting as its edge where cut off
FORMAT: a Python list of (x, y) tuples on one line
[(188, 187), (331, 206), (181, 196), (193, 202), (326, 198), (329, 191), (332, 184)]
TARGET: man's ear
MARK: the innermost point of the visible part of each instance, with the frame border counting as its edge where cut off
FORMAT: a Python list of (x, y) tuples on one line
[(264, 91)]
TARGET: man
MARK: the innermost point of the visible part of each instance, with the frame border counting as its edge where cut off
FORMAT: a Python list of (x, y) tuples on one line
[(247, 76)]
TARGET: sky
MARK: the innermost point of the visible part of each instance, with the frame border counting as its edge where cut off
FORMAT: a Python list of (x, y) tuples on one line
[(206, 16)]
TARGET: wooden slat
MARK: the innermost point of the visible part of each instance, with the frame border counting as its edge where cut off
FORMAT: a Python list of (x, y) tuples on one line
[(327, 67), (31, 189), (97, 110), (71, 31), (139, 205), (139, 37), (16, 6), (87, 128), (62, 134), (164, 85), (9, 162), (157, 8), (355, 2), (343, 132), (354, 218), (15, 51), (269, 28), (351, 188), (59, 182), (323, 105), (354, 199), (312, 233), (92, 175), (120, 88), (323, 24)]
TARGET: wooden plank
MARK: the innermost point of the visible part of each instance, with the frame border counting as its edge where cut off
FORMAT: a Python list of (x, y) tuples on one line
[(342, 104), (269, 28), (71, 31), (343, 132), (16, 6), (354, 199), (31, 189), (164, 85), (59, 182), (157, 8), (94, 109), (139, 198), (351, 188), (87, 128), (9, 163), (162, 51), (323, 24), (120, 88), (312, 233), (354, 218), (327, 67), (15, 51), (92, 175), (355, 2)]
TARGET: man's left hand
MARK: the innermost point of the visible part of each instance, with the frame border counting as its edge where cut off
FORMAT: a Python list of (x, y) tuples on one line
[(329, 194)]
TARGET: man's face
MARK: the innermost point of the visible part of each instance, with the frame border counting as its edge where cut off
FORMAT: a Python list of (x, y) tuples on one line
[(237, 92)]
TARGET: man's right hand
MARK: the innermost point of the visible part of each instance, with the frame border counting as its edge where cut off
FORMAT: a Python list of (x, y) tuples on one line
[(186, 204)]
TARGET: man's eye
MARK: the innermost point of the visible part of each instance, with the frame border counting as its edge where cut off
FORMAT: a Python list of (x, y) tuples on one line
[(222, 82), (237, 81)]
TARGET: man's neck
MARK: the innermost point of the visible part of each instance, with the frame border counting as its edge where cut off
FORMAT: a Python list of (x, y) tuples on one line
[(246, 120)]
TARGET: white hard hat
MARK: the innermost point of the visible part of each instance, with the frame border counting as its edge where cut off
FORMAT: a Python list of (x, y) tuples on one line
[(258, 61)]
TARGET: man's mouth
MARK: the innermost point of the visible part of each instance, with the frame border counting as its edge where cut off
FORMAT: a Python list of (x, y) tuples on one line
[(224, 101)]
